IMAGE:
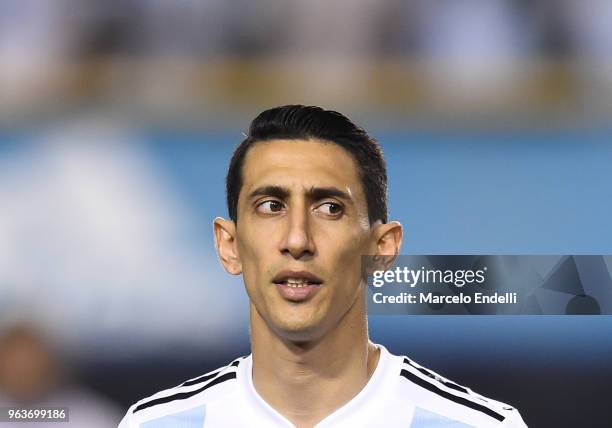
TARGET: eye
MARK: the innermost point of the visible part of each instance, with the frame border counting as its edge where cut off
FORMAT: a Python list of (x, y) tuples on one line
[(330, 209), (269, 207)]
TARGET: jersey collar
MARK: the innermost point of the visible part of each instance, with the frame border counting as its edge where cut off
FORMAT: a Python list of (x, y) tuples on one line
[(350, 414)]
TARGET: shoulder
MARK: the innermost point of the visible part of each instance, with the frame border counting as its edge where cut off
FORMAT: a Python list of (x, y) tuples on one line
[(186, 400), (439, 399)]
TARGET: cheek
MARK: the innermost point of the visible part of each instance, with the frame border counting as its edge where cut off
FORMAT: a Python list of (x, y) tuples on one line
[(247, 254), (253, 243), (356, 243), (256, 253), (344, 252)]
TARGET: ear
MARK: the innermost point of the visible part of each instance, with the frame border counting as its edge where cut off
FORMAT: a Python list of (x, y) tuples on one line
[(388, 241), (225, 244)]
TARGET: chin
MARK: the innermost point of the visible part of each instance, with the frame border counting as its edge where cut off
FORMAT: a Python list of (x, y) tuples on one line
[(299, 330)]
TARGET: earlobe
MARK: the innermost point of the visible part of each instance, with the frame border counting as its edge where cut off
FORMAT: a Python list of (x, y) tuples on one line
[(225, 244)]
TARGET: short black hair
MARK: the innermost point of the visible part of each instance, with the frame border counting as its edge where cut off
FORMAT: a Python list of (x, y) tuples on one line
[(299, 122)]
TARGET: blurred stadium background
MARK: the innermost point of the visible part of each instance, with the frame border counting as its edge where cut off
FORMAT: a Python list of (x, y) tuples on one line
[(117, 120)]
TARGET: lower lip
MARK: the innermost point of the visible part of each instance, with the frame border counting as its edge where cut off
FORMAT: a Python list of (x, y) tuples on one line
[(297, 294)]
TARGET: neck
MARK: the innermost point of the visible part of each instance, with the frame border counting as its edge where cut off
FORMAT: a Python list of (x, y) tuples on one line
[(307, 381)]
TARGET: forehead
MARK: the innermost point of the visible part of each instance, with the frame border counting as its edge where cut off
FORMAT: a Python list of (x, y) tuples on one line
[(300, 163)]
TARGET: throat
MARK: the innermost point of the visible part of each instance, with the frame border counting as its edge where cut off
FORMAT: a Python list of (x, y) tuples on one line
[(306, 391)]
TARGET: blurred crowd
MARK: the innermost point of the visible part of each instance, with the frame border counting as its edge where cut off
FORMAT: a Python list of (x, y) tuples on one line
[(33, 375), (229, 54)]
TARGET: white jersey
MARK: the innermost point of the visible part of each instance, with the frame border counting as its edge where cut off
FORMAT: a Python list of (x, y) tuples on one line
[(400, 393)]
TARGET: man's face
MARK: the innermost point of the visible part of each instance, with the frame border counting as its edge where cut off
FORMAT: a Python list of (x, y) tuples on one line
[(302, 228)]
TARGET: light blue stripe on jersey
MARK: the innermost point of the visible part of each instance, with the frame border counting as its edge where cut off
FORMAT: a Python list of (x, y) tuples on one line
[(192, 418), (426, 419)]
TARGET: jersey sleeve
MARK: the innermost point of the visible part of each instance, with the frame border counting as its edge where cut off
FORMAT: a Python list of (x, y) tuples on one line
[(513, 420), (126, 422)]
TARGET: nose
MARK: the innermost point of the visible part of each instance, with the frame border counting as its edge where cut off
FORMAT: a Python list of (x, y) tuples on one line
[(298, 242)]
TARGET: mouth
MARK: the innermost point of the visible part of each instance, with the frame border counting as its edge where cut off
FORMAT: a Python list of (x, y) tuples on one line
[(297, 286)]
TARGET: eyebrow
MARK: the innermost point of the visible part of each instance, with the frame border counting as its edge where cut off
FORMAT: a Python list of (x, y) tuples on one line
[(314, 193), (276, 191)]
